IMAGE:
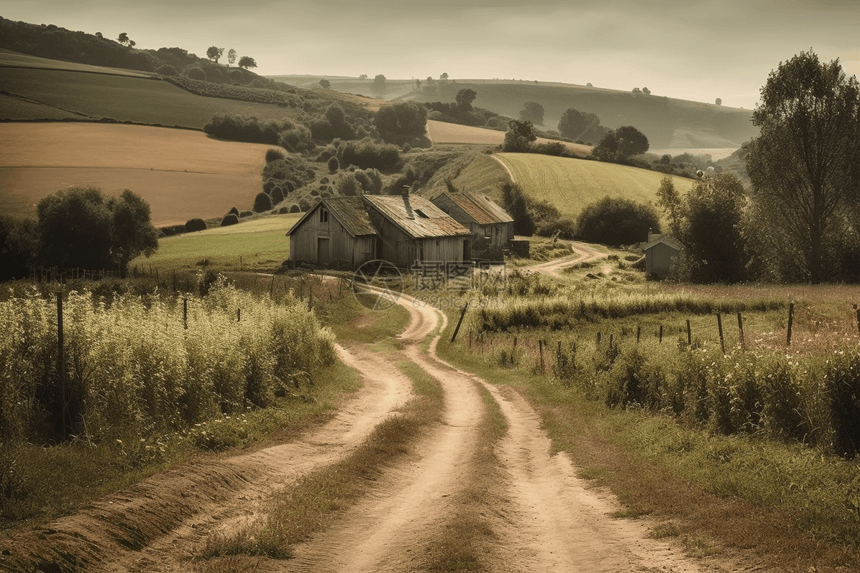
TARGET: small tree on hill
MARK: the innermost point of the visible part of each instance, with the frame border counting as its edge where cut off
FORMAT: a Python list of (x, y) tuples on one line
[(379, 84), (617, 221), (631, 141), (519, 137), (193, 225), (214, 53), (464, 98), (247, 62), (123, 38), (231, 56), (325, 84), (533, 112)]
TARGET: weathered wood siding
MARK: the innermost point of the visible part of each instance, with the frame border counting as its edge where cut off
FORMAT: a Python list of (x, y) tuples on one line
[(498, 233), (402, 250), (658, 260), (344, 250)]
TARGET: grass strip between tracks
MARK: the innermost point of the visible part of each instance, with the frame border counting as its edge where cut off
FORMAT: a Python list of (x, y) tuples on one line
[(314, 501)]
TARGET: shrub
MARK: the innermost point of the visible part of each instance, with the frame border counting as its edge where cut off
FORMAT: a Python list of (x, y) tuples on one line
[(195, 74), (283, 210), (229, 219), (295, 137), (262, 203), (248, 129), (273, 154), (171, 230), (367, 153), (617, 221), (277, 195), (244, 214), (333, 165), (167, 70), (565, 227), (234, 211), (195, 225)]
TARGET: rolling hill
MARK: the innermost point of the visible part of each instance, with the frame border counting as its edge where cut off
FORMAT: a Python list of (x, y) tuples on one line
[(183, 174), (569, 184)]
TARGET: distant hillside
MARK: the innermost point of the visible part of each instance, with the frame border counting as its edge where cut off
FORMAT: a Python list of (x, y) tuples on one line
[(569, 184), (667, 122)]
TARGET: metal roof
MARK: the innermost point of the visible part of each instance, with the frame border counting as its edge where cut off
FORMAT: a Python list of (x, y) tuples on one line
[(350, 212), (666, 240), (416, 216), (480, 208)]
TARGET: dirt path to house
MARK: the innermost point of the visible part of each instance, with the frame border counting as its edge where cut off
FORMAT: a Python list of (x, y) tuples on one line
[(538, 515), (582, 253)]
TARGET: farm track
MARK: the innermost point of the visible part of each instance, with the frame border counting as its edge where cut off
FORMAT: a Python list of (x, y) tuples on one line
[(583, 253), (539, 516)]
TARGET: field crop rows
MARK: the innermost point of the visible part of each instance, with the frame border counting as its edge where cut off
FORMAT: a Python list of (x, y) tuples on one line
[(133, 99)]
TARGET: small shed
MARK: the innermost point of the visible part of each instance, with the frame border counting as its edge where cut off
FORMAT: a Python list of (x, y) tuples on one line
[(659, 252), (411, 229), (488, 223), (336, 232)]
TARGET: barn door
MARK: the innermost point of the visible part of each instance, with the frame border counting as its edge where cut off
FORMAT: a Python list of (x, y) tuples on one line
[(323, 253)]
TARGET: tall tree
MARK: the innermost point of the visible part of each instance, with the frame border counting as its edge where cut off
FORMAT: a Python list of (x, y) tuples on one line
[(231, 56), (247, 62), (631, 141), (804, 165), (578, 125), (123, 38), (533, 112), (520, 136), (214, 53), (465, 97)]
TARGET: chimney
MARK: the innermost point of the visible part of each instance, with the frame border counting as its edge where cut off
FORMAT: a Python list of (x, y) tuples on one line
[(406, 205), (405, 192)]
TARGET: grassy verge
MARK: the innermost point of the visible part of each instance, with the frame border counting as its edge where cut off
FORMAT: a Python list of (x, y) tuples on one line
[(54, 481), (351, 319), (312, 504), (788, 505)]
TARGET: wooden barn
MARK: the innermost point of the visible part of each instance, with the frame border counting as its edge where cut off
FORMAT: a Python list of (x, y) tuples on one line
[(336, 232), (658, 254), (414, 229), (489, 224), (345, 232)]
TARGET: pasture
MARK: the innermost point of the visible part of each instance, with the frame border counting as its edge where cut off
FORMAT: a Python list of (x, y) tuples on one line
[(571, 184), (256, 245), (15, 60), (124, 98), (443, 132), (182, 174)]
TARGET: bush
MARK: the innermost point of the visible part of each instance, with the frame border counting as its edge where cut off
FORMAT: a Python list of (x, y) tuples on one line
[(234, 211), (295, 137), (273, 154), (244, 214), (248, 129), (367, 153), (333, 165), (565, 227), (166, 70), (229, 219), (617, 221), (277, 195), (171, 230), (262, 203), (283, 210), (195, 225), (195, 74)]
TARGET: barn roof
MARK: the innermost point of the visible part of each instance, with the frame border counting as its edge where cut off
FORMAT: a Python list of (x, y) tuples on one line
[(480, 208), (666, 240), (416, 216), (350, 212)]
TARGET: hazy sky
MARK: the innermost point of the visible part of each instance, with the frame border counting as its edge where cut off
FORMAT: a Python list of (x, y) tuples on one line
[(692, 50)]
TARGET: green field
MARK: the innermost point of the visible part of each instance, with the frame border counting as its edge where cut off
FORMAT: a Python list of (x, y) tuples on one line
[(256, 245), (569, 184), (133, 99), (16, 60)]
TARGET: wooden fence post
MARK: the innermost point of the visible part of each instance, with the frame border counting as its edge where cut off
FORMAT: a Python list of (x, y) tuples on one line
[(720, 328), (459, 322), (790, 320), (540, 350), (638, 332), (238, 315), (741, 331), (689, 334), (661, 334), (185, 313), (62, 357), (858, 319)]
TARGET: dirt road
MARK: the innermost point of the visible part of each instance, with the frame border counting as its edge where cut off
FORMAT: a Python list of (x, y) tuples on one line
[(582, 253), (537, 514)]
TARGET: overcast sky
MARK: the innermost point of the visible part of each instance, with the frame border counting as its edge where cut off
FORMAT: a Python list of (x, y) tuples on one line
[(692, 50)]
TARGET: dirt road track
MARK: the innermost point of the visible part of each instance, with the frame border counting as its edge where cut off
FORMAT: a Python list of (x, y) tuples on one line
[(582, 253), (542, 516)]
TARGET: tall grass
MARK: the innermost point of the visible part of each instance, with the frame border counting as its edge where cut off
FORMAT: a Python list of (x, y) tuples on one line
[(133, 369)]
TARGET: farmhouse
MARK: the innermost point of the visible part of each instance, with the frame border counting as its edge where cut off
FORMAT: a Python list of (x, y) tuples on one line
[(346, 232), (658, 254), (491, 227)]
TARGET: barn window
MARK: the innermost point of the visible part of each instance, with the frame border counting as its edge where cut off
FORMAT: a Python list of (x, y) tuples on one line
[(323, 215)]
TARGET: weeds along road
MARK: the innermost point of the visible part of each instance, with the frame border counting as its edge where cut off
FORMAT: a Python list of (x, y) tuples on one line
[(493, 502)]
